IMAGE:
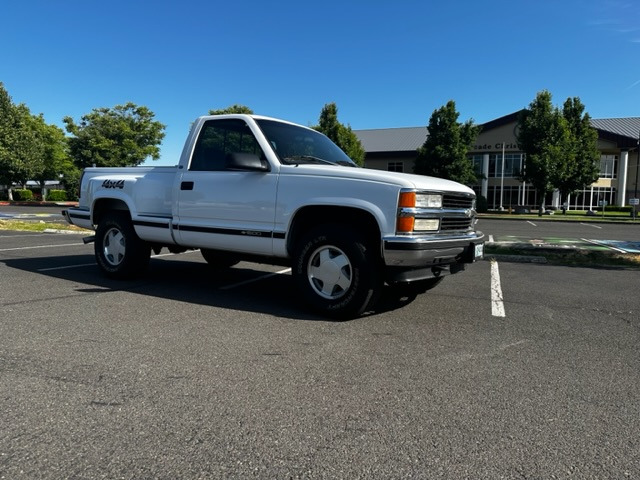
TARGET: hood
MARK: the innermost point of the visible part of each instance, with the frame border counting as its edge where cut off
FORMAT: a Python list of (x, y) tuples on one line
[(402, 180)]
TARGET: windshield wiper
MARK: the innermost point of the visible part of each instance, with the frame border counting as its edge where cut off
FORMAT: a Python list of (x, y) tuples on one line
[(298, 159)]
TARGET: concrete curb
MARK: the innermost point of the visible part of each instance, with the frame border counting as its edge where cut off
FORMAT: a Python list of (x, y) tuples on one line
[(516, 258)]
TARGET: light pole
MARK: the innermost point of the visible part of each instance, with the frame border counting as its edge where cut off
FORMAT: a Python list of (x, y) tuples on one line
[(502, 180), (635, 193)]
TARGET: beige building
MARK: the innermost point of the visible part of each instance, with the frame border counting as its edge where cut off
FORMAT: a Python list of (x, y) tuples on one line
[(394, 149)]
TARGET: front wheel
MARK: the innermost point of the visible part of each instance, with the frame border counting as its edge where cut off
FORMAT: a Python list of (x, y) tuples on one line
[(337, 271), (119, 251)]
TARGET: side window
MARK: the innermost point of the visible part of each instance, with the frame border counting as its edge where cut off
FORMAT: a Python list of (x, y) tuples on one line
[(218, 139)]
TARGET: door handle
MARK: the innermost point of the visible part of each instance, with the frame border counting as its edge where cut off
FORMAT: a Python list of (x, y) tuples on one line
[(186, 186)]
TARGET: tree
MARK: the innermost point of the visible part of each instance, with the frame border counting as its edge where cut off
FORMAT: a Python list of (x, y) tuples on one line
[(125, 135), (235, 108), (582, 163), (342, 135), (544, 137), (55, 159), (20, 145), (444, 153)]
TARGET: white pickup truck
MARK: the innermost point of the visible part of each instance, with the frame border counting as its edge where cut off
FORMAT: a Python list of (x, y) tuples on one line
[(255, 188)]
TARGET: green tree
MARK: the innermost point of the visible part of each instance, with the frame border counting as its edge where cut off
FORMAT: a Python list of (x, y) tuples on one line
[(20, 145), (340, 134), (55, 160), (125, 135), (444, 153), (235, 108), (582, 162), (544, 137)]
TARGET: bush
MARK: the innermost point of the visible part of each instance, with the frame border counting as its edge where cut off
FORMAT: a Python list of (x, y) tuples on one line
[(57, 196), (615, 208), (4, 195), (22, 195)]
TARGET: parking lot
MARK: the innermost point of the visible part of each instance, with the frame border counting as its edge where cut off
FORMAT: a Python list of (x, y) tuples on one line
[(506, 370)]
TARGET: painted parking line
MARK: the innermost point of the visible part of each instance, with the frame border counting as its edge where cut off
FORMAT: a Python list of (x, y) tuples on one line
[(41, 246), (78, 265), (591, 225), (531, 223), (497, 300), (257, 279), (620, 246)]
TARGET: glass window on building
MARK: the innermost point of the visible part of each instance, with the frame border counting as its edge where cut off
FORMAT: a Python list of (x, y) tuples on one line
[(608, 166), (590, 198), (476, 160), (512, 196), (395, 167), (512, 165)]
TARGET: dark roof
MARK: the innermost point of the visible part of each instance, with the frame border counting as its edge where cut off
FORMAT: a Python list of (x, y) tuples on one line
[(499, 122), (625, 127), (623, 131)]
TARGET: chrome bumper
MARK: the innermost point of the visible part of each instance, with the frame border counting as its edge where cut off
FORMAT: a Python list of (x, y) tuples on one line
[(424, 251)]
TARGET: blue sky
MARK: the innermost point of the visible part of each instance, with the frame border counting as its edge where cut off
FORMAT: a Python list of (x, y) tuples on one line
[(385, 64)]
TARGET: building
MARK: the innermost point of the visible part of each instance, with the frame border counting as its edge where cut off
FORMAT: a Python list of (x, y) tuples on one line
[(394, 149)]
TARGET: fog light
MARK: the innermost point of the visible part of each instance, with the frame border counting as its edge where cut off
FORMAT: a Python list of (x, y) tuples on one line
[(426, 224)]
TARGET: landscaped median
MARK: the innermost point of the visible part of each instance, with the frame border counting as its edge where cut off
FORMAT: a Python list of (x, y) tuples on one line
[(573, 252), (569, 216), (36, 225)]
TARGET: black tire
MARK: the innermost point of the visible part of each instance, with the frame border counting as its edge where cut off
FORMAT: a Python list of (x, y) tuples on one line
[(218, 260), (337, 271), (120, 253)]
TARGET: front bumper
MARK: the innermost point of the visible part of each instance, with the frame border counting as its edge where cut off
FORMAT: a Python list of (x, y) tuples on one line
[(415, 258)]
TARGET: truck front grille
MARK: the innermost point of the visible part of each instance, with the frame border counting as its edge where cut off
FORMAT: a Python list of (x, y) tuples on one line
[(456, 201), (455, 223)]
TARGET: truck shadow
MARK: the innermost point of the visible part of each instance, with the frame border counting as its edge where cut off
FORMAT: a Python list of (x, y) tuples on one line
[(245, 287)]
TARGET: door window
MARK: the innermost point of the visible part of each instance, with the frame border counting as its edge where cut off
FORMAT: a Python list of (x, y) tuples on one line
[(220, 138)]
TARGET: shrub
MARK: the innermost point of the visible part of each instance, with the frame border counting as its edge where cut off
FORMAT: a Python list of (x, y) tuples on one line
[(57, 196), (615, 208), (22, 195)]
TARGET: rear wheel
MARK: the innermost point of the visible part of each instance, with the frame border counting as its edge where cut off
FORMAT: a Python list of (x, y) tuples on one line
[(120, 253), (337, 271)]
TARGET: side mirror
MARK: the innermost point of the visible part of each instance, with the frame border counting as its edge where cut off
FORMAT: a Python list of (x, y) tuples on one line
[(246, 162)]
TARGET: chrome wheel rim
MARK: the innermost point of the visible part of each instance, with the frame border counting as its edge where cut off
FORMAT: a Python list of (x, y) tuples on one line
[(329, 272), (114, 247)]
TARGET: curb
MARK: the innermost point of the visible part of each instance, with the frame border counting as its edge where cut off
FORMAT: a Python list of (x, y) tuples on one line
[(516, 258)]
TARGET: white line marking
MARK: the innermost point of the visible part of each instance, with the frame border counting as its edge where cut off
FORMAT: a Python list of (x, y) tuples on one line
[(229, 287), (41, 246), (27, 235), (589, 225), (91, 264), (532, 223), (595, 242), (490, 238), (497, 304)]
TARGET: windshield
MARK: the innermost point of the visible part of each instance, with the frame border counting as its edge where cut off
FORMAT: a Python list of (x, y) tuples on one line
[(296, 145)]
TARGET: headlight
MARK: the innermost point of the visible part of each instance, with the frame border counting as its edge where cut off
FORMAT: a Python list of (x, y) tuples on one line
[(426, 225), (424, 200)]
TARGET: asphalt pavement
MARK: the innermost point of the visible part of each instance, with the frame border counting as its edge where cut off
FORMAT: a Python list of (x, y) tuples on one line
[(505, 370)]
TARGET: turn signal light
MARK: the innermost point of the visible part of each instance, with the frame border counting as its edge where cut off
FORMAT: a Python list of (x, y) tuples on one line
[(407, 200), (405, 224)]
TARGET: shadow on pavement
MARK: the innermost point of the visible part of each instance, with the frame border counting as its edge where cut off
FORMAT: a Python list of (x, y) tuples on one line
[(239, 288)]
